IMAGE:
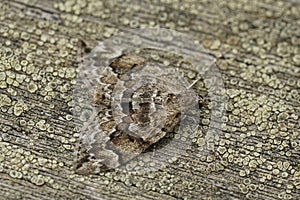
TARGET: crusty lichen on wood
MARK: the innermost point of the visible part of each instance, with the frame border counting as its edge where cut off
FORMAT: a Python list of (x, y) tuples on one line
[(256, 148)]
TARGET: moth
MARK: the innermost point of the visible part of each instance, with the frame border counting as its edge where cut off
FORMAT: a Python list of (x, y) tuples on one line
[(138, 101)]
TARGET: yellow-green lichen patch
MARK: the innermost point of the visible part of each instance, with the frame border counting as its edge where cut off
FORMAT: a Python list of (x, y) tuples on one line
[(20, 107), (15, 174), (38, 180), (5, 100), (32, 87), (2, 76)]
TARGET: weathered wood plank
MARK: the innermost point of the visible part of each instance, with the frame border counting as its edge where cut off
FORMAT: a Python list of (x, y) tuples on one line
[(256, 148)]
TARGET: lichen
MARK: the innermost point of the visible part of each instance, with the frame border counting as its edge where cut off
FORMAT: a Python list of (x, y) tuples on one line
[(252, 151)]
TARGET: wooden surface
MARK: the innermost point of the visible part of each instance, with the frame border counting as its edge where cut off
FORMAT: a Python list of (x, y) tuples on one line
[(256, 148)]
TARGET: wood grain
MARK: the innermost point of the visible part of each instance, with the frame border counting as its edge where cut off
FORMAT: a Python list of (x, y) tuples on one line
[(252, 148)]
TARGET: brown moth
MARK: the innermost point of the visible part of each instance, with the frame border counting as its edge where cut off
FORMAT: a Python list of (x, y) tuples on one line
[(137, 129), (137, 105)]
